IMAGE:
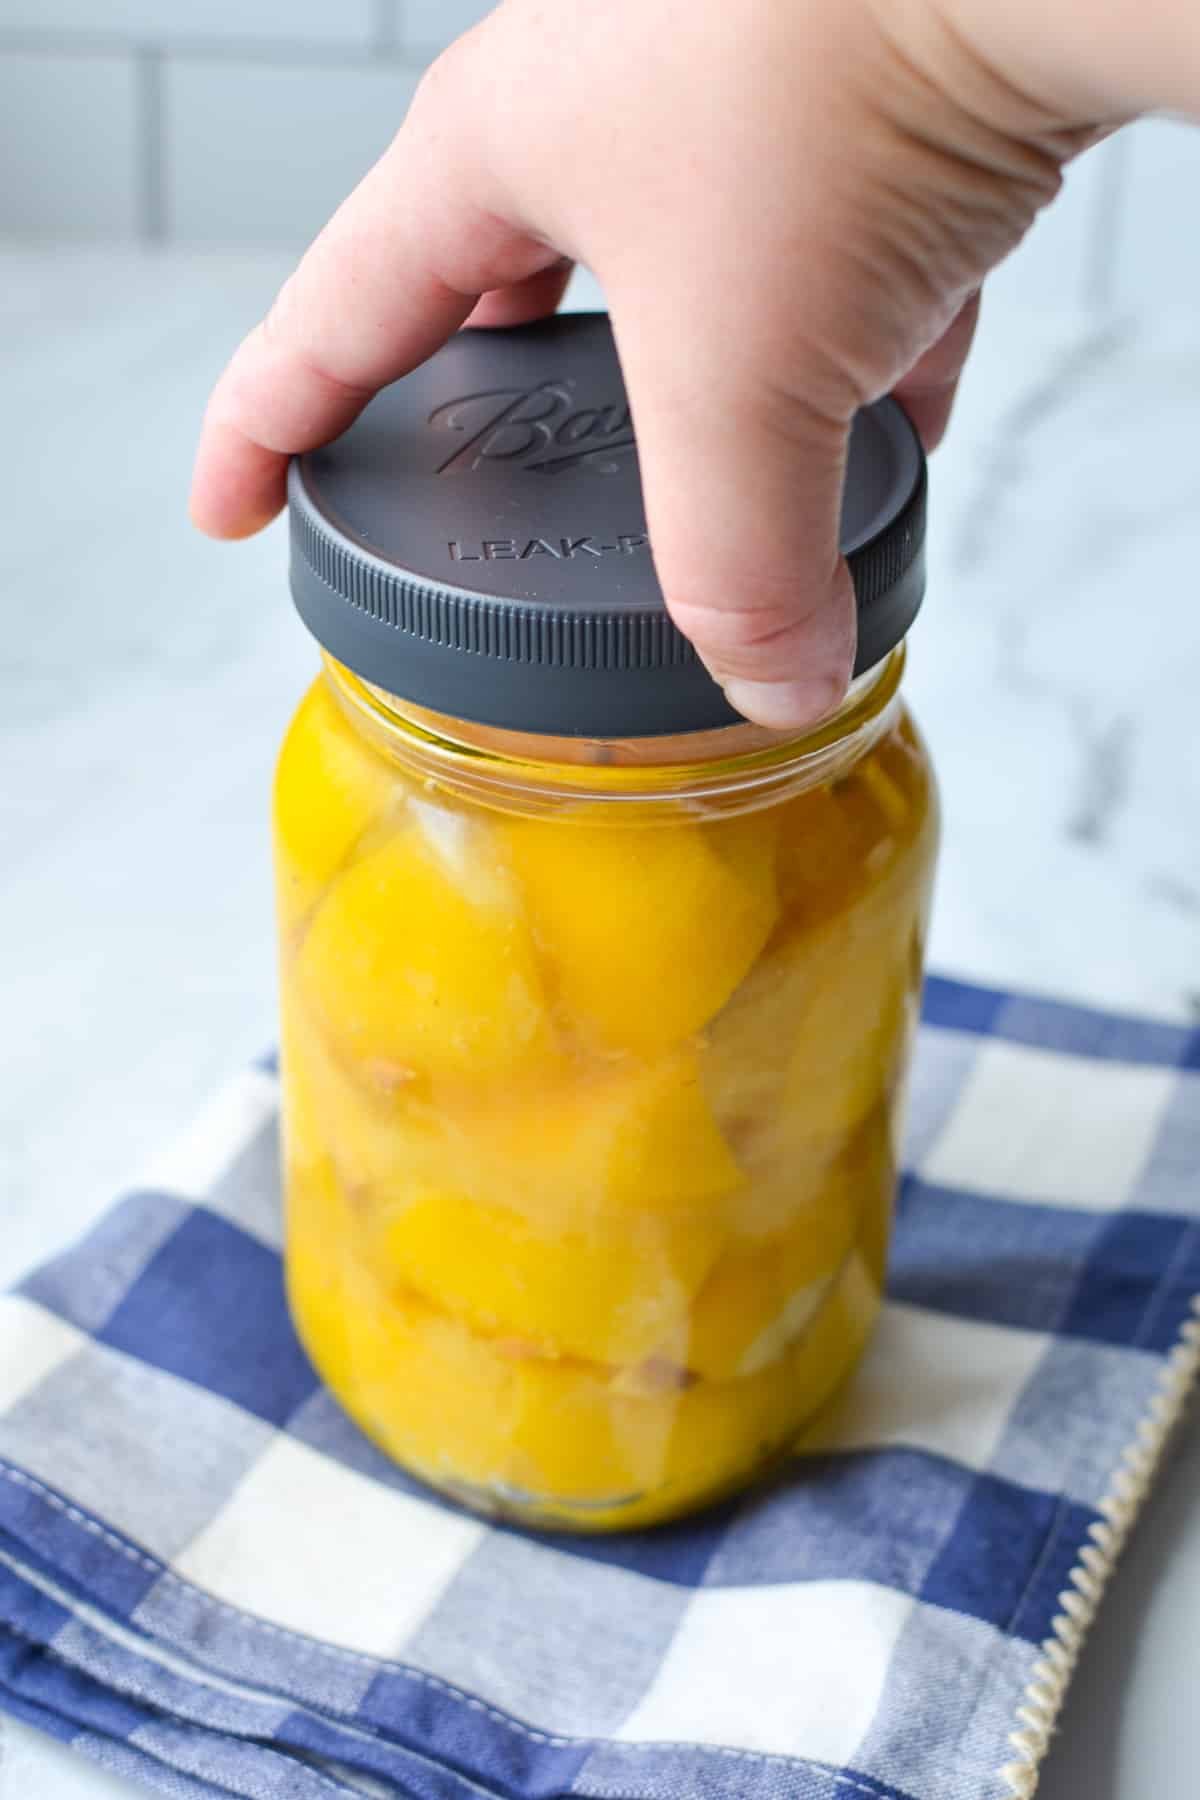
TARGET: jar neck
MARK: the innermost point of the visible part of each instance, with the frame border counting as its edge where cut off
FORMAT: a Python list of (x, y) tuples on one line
[(736, 769)]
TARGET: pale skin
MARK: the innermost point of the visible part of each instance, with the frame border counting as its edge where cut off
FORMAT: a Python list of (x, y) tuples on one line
[(791, 205)]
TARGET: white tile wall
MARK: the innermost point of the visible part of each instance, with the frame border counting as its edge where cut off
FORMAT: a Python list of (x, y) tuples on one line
[(175, 21), (290, 144), (68, 135), (246, 121)]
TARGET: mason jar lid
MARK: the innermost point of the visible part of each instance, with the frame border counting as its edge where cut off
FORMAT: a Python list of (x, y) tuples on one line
[(476, 542)]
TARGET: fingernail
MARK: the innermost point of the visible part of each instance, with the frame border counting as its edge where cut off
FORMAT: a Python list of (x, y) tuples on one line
[(785, 705)]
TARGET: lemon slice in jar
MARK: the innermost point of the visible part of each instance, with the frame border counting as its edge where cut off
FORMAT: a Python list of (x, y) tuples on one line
[(646, 932), (419, 961), (330, 789)]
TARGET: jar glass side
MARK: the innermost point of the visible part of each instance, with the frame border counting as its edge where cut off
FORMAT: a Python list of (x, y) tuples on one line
[(591, 1107)]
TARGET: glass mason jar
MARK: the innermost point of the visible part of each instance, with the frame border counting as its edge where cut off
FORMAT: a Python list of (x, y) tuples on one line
[(594, 1034)]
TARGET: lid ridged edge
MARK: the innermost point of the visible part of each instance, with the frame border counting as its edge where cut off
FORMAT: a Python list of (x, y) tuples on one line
[(477, 624)]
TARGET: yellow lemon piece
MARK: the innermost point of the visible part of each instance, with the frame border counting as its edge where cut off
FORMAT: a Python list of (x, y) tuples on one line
[(824, 1357), (825, 852), (615, 1146), (301, 1131), (431, 1395), (843, 1062), (747, 1315), (320, 1232), (768, 1286), (800, 1174), (904, 763), (723, 1430), (852, 1035), (428, 1392), (600, 1459), (418, 961), (815, 1042), (629, 1148), (632, 1460), (437, 1398), (625, 1162), (330, 788), (856, 1025), (747, 1048), (581, 1446), (758, 1300), (384, 1139), (459, 1411), (819, 1032), (561, 1441), (606, 1296), (845, 839), (856, 1303), (805, 1051), (646, 931)]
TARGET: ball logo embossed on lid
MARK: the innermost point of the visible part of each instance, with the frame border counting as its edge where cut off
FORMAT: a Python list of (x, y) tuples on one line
[(542, 429), (476, 542)]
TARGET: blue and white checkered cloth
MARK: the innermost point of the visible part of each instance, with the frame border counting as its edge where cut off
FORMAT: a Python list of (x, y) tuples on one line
[(211, 1581)]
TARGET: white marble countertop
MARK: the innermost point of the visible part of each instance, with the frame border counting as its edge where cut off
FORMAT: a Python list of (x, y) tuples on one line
[(146, 677)]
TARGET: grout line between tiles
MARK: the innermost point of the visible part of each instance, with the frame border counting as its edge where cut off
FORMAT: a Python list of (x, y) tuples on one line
[(387, 36), (151, 146)]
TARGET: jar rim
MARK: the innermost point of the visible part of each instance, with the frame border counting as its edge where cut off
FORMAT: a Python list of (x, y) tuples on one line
[(739, 762)]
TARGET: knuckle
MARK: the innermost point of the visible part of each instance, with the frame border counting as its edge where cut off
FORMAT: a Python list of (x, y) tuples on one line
[(282, 332), (740, 642), (764, 623), (441, 78)]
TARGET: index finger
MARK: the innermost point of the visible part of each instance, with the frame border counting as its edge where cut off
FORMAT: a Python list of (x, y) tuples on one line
[(400, 266)]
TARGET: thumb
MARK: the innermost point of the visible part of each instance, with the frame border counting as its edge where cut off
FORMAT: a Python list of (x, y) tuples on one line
[(743, 474)]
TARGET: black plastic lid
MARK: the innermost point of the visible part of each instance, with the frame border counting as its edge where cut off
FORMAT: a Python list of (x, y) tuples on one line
[(476, 542)]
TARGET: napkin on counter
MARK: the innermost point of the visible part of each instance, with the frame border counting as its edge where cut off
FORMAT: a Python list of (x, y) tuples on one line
[(209, 1580)]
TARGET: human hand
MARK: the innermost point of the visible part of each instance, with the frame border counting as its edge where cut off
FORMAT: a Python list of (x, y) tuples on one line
[(791, 210)]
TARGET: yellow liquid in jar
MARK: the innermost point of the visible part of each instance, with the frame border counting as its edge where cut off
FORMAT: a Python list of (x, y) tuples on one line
[(589, 1123)]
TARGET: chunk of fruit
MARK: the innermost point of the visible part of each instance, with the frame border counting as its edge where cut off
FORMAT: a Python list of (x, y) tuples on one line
[(561, 1437), (611, 1152), (799, 1172), (853, 1031), (384, 1138), (579, 1443), (747, 1316), (616, 1460), (330, 788), (320, 1233), (418, 960), (768, 1285), (844, 839), (813, 1043), (825, 849), (607, 1296), (757, 1301), (748, 1046), (646, 930), (608, 1148), (431, 1394)]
